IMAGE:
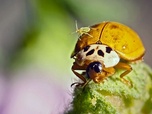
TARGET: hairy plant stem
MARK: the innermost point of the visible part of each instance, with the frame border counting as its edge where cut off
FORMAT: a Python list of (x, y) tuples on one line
[(115, 97)]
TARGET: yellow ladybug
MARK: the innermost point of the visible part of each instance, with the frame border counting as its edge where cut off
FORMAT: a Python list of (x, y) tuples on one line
[(122, 39), (119, 37)]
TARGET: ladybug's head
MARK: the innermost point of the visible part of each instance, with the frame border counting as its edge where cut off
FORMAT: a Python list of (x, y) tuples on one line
[(94, 71)]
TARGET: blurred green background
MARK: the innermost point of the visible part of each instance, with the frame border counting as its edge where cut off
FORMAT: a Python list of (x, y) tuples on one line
[(36, 36)]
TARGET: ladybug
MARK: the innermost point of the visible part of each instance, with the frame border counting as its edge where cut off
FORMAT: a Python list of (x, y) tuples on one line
[(99, 61), (109, 45), (119, 37)]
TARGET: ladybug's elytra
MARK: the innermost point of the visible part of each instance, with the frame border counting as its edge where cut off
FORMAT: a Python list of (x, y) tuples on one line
[(104, 47), (119, 37)]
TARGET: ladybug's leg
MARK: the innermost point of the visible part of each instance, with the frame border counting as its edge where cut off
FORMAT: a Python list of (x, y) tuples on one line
[(77, 67), (128, 69), (109, 71)]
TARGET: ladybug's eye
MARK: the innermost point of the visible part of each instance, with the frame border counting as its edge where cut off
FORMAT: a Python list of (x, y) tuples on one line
[(95, 67)]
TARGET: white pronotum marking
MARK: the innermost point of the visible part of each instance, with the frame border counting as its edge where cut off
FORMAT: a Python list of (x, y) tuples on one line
[(109, 59)]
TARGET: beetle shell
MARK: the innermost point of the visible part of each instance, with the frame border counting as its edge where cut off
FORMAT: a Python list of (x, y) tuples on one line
[(97, 52), (119, 37)]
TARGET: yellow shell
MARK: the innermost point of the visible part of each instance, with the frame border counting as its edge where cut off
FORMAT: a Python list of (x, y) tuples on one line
[(119, 37)]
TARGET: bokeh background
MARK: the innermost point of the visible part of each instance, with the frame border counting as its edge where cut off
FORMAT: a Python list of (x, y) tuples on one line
[(36, 40)]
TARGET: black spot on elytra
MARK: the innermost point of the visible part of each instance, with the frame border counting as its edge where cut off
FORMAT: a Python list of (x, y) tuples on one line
[(90, 52), (108, 49), (114, 26), (100, 53), (86, 48)]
